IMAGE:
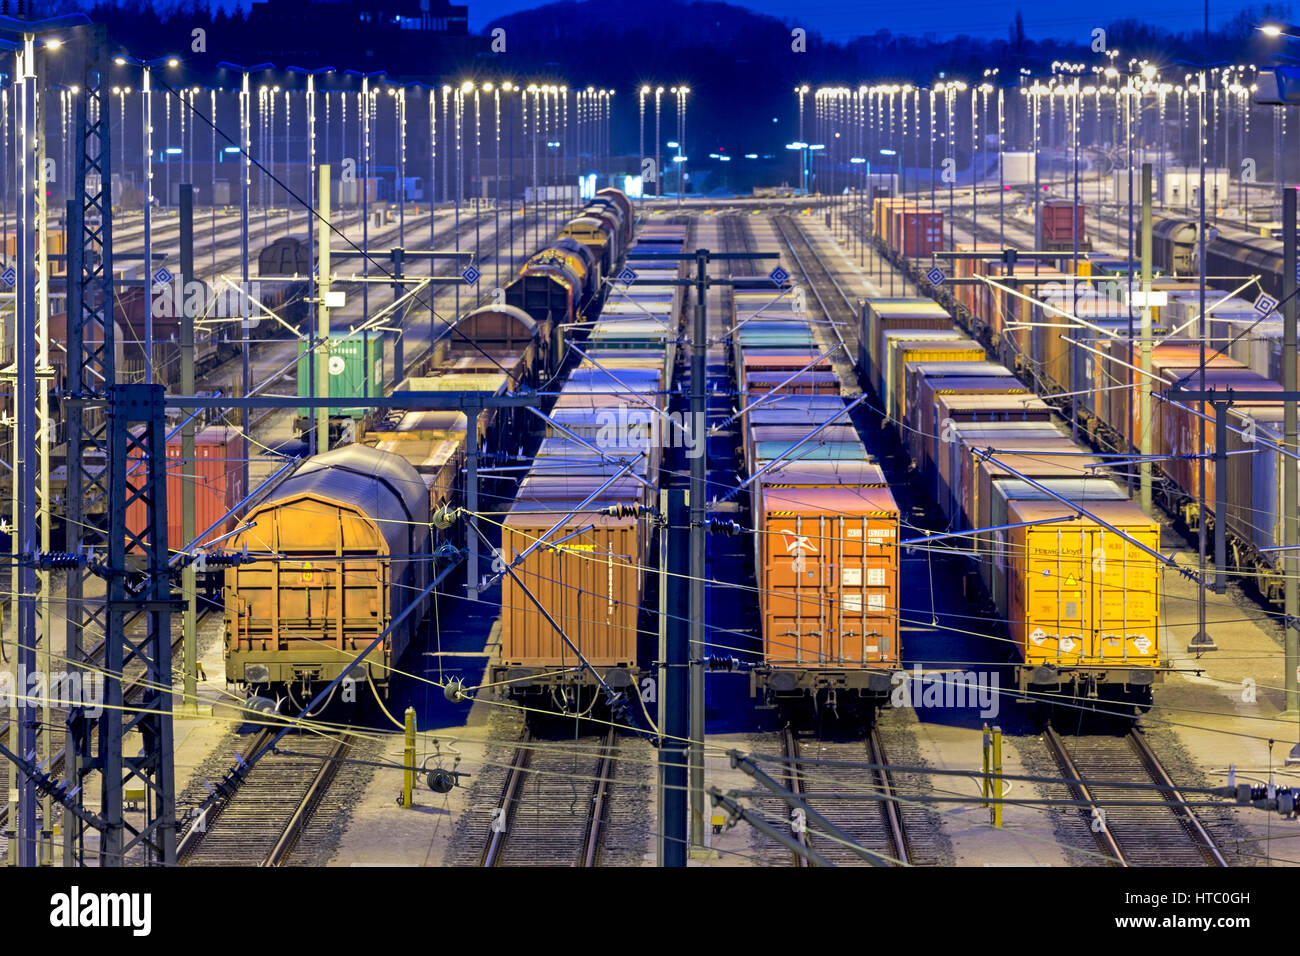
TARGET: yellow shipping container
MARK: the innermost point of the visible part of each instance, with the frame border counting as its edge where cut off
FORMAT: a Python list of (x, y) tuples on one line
[(936, 350), (1080, 595)]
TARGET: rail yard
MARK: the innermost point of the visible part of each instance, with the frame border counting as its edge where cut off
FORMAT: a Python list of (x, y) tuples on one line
[(460, 471)]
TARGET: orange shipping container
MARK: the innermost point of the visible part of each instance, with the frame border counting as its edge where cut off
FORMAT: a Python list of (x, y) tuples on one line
[(218, 474), (590, 585), (830, 577)]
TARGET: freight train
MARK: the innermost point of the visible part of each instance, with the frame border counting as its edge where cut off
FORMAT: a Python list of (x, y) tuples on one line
[(1066, 559), (1232, 256), (340, 546), (564, 282), (826, 524), (578, 536), (1091, 374)]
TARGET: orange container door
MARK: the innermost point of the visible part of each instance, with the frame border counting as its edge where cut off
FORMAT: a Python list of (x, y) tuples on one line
[(800, 557), (588, 585), (868, 587)]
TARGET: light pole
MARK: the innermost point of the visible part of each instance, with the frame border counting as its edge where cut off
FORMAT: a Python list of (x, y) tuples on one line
[(897, 154), (509, 87), (478, 175), (644, 92), (31, 623), (245, 149), (496, 191), (146, 127), (535, 92), (681, 93), (312, 201)]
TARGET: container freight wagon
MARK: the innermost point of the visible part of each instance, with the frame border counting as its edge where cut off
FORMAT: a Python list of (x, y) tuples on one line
[(495, 349), (827, 526), (1252, 487), (1059, 223), (906, 229), (1101, 383), (1232, 255), (1064, 556), (350, 534), (577, 537)]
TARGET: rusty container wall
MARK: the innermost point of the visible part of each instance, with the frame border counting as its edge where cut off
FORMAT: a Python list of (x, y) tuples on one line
[(1164, 358), (590, 585)]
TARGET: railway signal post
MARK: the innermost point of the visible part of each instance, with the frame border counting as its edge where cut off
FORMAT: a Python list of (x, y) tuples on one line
[(1291, 481), (674, 673)]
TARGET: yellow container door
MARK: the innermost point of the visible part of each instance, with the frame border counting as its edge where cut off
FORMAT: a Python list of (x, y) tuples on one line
[(1055, 605), (1125, 597)]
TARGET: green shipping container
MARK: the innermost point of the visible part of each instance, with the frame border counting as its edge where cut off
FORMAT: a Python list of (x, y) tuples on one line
[(347, 357)]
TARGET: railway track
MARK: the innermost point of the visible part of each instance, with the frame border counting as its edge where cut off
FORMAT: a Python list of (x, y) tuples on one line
[(1164, 832), (263, 819), (837, 306), (555, 803), (875, 824), (738, 237)]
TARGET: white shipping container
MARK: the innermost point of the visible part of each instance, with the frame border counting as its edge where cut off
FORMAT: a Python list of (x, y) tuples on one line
[(1017, 168), (882, 184), (1178, 186), (1181, 186)]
